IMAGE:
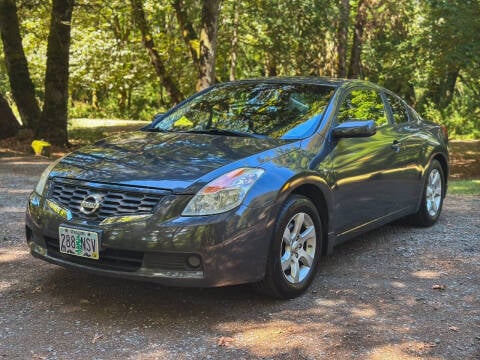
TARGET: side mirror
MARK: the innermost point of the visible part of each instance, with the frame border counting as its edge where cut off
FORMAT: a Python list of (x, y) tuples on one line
[(355, 128), (158, 115)]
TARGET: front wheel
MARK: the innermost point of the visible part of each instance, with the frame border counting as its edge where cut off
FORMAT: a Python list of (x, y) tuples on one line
[(295, 250), (432, 196)]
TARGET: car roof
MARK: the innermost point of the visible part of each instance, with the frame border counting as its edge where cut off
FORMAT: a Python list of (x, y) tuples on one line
[(313, 80)]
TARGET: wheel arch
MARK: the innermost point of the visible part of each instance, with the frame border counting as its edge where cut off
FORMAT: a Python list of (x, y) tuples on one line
[(317, 190), (444, 164), (442, 159)]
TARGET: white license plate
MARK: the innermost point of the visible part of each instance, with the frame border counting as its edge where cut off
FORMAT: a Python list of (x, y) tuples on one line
[(78, 242)]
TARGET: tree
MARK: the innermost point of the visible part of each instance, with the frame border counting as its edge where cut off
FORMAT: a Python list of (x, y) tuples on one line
[(53, 121), (22, 87), (426, 51), (8, 121), (450, 45), (139, 17), (188, 33), (355, 66), (342, 38), (208, 43)]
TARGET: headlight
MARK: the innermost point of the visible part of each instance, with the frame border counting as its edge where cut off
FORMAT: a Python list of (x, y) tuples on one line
[(44, 177), (224, 193)]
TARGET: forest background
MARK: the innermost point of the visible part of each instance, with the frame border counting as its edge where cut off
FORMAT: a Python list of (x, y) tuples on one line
[(66, 59)]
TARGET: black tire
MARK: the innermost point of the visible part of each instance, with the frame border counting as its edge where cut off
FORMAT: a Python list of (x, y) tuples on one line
[(300, 256), (432, 197)]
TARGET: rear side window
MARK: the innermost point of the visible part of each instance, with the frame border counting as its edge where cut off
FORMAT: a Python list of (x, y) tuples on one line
[(363, 104), (413, 115), (399, 111)]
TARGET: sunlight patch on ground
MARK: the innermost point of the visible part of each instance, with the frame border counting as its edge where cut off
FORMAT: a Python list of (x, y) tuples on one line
[(329, 302), (364, 311), (95, 123), (10, 255), (14, 191), (406, 351), (13, 209), (45, 162), (398, 285), (154, 355), (280, 337), (426, 274), (4, 285)]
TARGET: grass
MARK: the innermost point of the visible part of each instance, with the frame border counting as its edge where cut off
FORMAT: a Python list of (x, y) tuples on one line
[(86, 131), (464, 187)]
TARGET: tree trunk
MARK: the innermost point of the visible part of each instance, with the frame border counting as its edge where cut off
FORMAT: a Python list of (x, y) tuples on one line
[(270, 65), (188, 33), (23, 91), (441, 92), (53, 124), (234, 47), (342, 38), (208, 43), (8, 121), (448, 86), (139, 17), (355, 68)]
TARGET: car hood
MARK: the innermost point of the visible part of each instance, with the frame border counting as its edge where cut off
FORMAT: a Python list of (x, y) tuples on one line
[(171, 161)]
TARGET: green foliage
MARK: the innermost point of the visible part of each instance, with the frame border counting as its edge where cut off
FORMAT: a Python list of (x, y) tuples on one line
[(464, 187), (426, 51), (461, 121)]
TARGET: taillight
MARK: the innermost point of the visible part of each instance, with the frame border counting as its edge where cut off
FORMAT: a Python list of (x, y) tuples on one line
[(445, 131)]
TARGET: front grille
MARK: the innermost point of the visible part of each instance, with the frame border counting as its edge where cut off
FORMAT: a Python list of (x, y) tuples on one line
[(110, 259), (114, 202)]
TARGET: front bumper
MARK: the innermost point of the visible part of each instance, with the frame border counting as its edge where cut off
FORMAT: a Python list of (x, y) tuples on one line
[(232, 247)]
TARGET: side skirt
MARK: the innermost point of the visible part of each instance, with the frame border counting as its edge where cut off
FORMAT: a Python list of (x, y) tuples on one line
[(337, 239)]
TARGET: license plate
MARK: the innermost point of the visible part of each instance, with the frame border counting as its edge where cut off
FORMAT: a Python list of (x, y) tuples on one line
[(78, 242)]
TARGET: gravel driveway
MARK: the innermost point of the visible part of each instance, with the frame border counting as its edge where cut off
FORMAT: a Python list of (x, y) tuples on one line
[(395, 293)]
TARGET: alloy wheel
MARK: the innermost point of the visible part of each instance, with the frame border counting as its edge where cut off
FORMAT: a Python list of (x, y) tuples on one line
[(434, 192), (298, 248)]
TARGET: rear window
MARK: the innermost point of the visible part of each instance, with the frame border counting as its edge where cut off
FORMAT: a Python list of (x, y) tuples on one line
[(399, 111)]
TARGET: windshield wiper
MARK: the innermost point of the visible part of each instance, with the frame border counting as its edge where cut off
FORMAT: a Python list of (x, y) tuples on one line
[(153, 129), (215, 131)]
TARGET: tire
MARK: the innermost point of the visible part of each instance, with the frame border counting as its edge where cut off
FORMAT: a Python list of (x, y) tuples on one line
[(432, 196), (295, 250)]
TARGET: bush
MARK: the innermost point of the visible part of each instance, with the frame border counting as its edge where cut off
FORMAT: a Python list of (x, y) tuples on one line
[(461, 121)]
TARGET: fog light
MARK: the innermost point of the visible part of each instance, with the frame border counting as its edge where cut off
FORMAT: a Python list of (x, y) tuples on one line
[(38, 249), (193, 261)]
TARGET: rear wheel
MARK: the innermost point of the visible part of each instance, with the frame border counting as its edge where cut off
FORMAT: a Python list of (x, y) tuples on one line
[(295, 250), (432, 196)]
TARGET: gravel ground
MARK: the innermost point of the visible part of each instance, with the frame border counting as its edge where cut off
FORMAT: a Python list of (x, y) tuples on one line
[(395, 293)]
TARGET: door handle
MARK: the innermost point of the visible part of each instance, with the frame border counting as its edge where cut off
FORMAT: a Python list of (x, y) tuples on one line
[(396, 146)]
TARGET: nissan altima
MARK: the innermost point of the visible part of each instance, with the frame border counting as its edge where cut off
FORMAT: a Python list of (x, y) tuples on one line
[(246, 182)]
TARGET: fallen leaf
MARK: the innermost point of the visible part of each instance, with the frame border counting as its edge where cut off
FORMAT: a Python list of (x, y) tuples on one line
[(225, 341), (37, 289), (96, 337), (453, 328), (439, 287)]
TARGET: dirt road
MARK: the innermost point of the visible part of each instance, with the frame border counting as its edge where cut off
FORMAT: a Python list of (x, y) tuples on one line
[(395, 293)]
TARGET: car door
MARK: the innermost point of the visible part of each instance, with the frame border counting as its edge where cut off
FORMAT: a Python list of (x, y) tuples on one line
[(407, 176), (363, 166)]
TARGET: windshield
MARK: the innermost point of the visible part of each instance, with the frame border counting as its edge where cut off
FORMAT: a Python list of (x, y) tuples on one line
[(282, 111)]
